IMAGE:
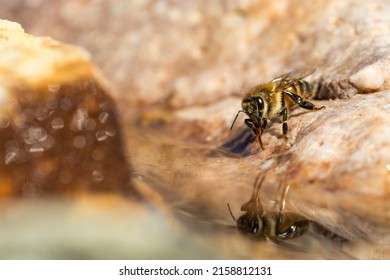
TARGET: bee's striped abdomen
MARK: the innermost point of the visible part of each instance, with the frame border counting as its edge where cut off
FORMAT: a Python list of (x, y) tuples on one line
[(301, 88)]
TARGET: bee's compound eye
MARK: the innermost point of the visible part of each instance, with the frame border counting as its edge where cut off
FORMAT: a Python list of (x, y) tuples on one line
[(245, 103), (255, 228), (260, 103)]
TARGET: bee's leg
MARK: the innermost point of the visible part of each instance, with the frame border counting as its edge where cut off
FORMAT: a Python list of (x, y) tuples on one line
[(264, 123), (296, 229), (257, 131), (251, 125), (282, 202), (301, 102), (285, 126)]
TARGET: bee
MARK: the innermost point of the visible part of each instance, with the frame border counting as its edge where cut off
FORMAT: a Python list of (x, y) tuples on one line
[(276, 226), (260, 225), (272, 99)]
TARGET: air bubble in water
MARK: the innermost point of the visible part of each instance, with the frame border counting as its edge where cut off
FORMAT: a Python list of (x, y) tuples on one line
[(65, 103), (4, 122), (111, 131), (53, 87), (36, 148), (57, 123), (90, 124), (101, 135), (79, 141), (103, 117), (97, 176), (35, 135), (41, 113), (48, 142), (10, 157)]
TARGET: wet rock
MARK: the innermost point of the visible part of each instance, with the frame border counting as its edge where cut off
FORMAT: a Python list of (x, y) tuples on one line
[(105, 227), (193, 61), (199, 52), (59, 129), (336, 162)]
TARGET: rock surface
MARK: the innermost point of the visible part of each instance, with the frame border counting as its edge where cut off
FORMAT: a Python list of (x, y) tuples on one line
[(336, 162), (199, 52), (185, 66)]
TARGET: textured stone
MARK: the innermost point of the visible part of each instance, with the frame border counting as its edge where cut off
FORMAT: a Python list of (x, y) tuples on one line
[(197, 52), (59, 129), (336, 162), (193, 60), (369, 79)]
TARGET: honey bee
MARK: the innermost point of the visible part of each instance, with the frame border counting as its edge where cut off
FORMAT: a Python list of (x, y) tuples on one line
[(272, 99), (276, 226), (259, 224)]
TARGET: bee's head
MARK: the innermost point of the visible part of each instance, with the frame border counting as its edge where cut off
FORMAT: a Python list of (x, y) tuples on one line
[(250, 223), (253, 107)]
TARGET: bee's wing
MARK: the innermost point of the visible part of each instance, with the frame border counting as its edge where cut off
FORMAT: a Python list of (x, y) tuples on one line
[(286, 79), (296, 74)]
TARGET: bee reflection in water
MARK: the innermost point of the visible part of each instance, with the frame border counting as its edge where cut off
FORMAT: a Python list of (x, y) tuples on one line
[(276, 226)]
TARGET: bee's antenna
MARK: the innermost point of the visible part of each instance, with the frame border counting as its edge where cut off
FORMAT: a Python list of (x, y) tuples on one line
[(231, 213), (241, 111)]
